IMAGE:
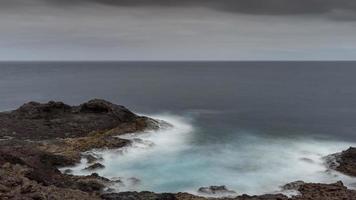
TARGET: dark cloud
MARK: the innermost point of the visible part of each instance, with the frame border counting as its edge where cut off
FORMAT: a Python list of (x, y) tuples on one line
[(177, 30), (273, 7)]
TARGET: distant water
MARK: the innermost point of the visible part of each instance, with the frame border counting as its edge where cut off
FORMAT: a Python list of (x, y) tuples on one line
[(249, 125)]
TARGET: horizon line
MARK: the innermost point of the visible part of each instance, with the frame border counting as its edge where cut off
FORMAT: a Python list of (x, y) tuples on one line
[(23, 61)]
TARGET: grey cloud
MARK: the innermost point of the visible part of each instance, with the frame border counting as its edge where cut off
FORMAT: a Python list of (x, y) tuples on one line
[(274, 7), (177, 30)]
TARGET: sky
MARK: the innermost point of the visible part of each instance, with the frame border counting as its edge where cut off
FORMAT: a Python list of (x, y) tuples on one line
[(177, 30)]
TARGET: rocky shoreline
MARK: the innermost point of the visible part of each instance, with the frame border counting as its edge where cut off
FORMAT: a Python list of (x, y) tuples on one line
[(36, 139), (344, 162)]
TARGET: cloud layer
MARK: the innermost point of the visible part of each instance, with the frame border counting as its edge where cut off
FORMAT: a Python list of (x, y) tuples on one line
[(245, 6), (177, 30)]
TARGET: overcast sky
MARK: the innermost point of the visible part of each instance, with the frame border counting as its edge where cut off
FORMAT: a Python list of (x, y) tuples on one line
[(177, 30)]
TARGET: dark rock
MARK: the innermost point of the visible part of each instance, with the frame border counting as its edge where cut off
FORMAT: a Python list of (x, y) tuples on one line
[(37, 121), (117, 180), (68, 171), (56, 160), (96, 176), (37, 138), (262, 197), (105, 107), (213, 190), (109, 190), (91, 158), (138, 196), (34, 110), (95, 166), (318, 191), (64, 132), (15, 185), (293, 185), (134, 181), (308, 160), (59, 133), (344, 162)]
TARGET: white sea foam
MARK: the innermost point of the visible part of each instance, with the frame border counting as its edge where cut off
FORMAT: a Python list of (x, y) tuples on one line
[(171, 160)]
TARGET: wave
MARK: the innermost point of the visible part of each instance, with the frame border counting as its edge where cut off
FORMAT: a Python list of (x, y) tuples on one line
[(173, 159), (164, 141)]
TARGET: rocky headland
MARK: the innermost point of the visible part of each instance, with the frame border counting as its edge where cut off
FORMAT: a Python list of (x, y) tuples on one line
[(36, 139)]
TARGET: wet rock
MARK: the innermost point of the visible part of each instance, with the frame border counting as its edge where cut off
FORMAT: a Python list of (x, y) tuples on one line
[(138, 142), (109, 190), (68, 171), (134, 181), (98, 106), (307, 160), (344, 162), (35, 110), (95, 166), (215, 190), (5, 137), (262, 197), (332, 161), (138, 196), (15, 185), (293, 185), (37, 121), (47, 136), (318, 191), (116, 179), (91, 158), (51, 135)]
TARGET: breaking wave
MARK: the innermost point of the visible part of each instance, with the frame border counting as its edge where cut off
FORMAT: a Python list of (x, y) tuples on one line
[(173, 159)]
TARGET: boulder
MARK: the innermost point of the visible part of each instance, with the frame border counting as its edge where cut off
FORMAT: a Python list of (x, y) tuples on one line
[(95, 166), (293, 185), (216, 190)]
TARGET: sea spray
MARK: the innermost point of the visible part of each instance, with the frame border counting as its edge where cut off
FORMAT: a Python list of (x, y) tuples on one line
[(172, 160), (171, 137)]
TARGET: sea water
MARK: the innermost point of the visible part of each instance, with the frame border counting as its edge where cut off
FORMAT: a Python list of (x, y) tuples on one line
[(252, 126)]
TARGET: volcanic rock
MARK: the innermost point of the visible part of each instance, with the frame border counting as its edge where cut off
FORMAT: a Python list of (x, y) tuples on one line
[(215, 190), (344, 162), (95, 166), (52, 120), (293, 185)]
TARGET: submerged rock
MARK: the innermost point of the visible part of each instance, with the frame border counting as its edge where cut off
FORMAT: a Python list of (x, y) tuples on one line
[(216, 190), (307, 160), (134, 181), (95, 166)]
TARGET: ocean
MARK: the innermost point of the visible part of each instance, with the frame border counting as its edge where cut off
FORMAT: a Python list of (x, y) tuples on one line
[(252, 126)]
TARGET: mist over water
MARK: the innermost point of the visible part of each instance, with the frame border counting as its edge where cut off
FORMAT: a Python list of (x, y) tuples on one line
[(174, 160), (252, 126)]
